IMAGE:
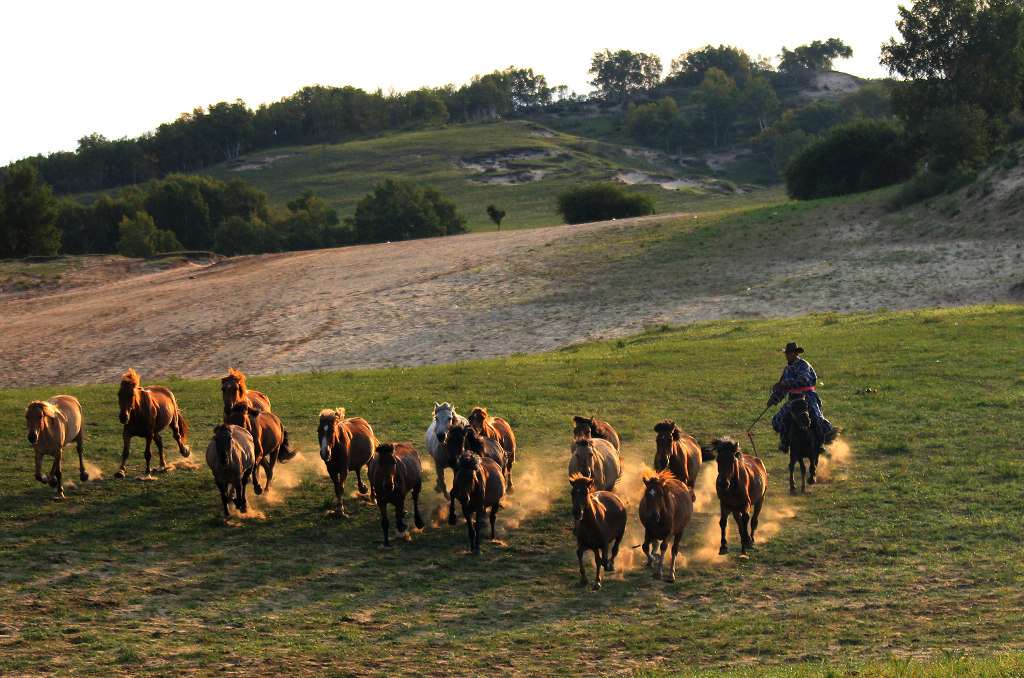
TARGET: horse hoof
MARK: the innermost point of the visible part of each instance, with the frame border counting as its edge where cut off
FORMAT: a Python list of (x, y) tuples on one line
[(186, 452), (722, 551), (792, 490), (337, 513), (811, 480), (59, 497), (84, 477), (671, 577), (120, 473), (257, 489), (597, 586)]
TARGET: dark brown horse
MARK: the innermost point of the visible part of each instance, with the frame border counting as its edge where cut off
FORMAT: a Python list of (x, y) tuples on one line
[(588, 427), (665, 511), (345, 445), (270, 440), (477, 487), (498, 429), (599, 521), (233, 389), (231, 456), (741, 485), (145, 412), (395, 471), (803, 443), (676, 452), (53, 424), (462, 438)]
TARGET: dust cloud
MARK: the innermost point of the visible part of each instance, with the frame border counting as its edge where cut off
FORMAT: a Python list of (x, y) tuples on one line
[(287, 476), (837, 453)]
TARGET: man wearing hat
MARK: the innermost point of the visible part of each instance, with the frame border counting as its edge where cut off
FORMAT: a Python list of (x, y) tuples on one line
[(798, 379)]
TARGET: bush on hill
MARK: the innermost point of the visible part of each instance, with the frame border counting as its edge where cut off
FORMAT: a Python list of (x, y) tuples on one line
[(602, 201), (401, 210)]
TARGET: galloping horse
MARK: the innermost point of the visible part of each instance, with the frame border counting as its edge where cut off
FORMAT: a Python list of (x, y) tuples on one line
[(802, 443), (599, 519), (477, 486), (53, 424), (394, 471), (231, 456), (677, 452), (345, 445), (444, 416), (232, 388), (498, 429), (462, 439), (588, 427), (597, 459), (741, 485), (145, 412), (270, 440), (665, 511)]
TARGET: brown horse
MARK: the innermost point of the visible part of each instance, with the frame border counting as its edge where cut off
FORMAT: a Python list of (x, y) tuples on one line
[(395, 471), (269, 438), (145, 412), (665, 511), (676, 452), (462, 438), (741, 485), (599, 520), (477, 487), (53, 424), (588, 427), (598, 459), (345, 445), (498, 429), (231, 455), (233, 389)]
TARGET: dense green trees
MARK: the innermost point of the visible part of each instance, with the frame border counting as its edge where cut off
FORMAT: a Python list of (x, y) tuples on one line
[(690, 68), (401, 210), (601, 201), (28, 216), (817, 56), (623, 73)]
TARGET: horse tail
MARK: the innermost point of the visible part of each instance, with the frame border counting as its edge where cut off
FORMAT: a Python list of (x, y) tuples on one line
[(182, 424), (285, 452)]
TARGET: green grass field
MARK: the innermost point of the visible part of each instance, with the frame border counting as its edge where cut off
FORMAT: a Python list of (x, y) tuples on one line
[(906, 561)]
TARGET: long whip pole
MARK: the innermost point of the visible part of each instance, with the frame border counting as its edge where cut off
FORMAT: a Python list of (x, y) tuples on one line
[(750, 429)]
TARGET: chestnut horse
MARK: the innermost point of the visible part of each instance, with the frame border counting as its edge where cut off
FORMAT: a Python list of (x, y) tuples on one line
[(665, 511), (345, 445), (588, 427), (394, 471), (803, 443), (596, 458), (232, 388), (498, 429), (444, 416), (231, 455), (52, 425), (477, 487), (145, 412), (741, 485), (269, 438), (677, 452), (599, 520)]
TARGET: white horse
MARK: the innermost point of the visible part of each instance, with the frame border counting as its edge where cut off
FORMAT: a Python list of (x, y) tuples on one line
[(444, 416)]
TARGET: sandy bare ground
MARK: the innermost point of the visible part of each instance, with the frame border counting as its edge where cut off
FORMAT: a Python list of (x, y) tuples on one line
[(453, 299)]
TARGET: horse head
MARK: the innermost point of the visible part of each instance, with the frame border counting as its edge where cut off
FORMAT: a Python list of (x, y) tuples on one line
[(128, 395), (728, 454), (655, 497), (454, 442), (444, 416), (583, 427), (222, 440), (581, 486), (467, 481), (477, 418), (800, 412), (35, 416), (328, 431), (387, 466), (586, 456), (232, 386), (668, 435)]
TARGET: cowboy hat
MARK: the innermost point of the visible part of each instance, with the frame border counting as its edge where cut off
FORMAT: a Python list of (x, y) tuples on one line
[(791, 347)]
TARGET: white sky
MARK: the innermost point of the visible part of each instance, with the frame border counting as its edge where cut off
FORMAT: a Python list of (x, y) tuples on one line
[(120, 68)]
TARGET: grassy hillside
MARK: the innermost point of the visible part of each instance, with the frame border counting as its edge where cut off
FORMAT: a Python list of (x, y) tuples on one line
[(906, 562), (468, 164)]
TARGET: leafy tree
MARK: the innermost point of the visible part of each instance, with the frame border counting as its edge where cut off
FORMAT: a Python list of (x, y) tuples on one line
[(864, 155), (310, 223), (401, 210), (659, 124), (758, 99), (620, 74), (601, 201), (496, 215), (141, 238), (28, 215), (178, 203), (718, 100), (238, 235), (688, 70), (963, 63), (817, 56)]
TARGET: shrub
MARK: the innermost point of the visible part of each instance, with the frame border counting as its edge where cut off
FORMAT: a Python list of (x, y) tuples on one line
[(141, 238), (601, 201)]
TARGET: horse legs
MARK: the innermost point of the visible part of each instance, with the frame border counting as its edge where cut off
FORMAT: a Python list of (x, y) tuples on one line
[(439, 486), (339, 492), (610, 565), (753, 521), (583, 570), (600, 558), (792, 468), (660, 571), (383, 505), (359, 479), (494, 515), (124, 454), (400, 513), (160, 450), (723, 522), (672, 562), (176, 431), (509, 487), (258, 461), (45, 480), (56, 476), (240, 501), (743, 521), (474, 534), (417, 519), (223, 495), (81, 458), (813, 462), (803, 476)]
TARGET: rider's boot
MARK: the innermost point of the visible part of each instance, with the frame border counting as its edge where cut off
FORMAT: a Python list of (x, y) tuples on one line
[(783, 443)]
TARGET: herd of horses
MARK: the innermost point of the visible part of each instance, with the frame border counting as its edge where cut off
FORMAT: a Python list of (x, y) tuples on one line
[(480, 450)]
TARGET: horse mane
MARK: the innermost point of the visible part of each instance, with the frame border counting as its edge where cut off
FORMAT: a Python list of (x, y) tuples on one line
[(661, 477), (470, 462), (335, 414), (239, 378), (474, 442), (668, 426), (386, 449), (578, 476), (47, 408), (131, 377), (482, 411), (222, 439)]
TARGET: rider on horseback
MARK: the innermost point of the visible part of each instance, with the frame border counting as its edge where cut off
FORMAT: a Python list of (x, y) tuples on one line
[(798, 380)]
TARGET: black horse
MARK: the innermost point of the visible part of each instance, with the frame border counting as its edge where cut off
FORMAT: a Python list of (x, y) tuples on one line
[(803, 443)]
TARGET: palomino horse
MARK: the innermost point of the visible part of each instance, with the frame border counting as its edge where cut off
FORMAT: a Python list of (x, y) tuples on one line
[(498, 429), (444, 416), (588, 427), (477, 487), (597, 459), (145, 412), (231, 456), (665, 511), (803, 443), (53, 424), (345, 445), (270, 441), (232, 388), (741, 485), (599, 520), (394, 471), (677, 452)]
